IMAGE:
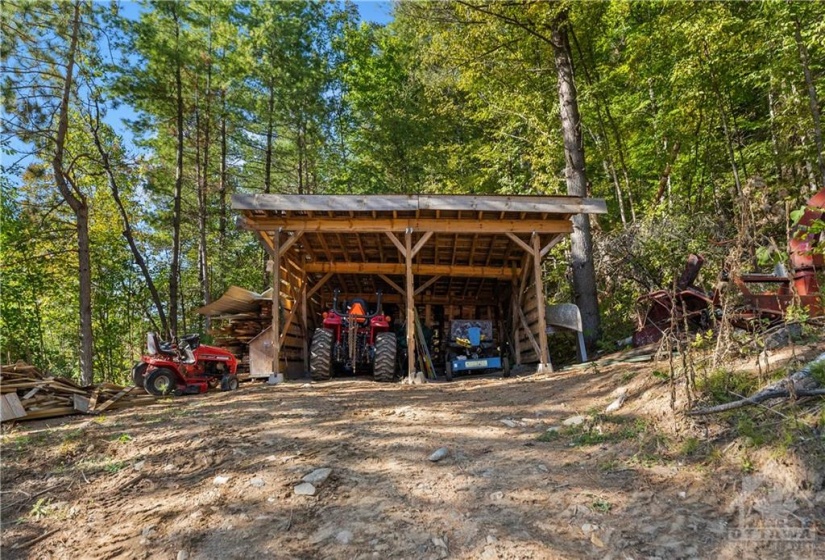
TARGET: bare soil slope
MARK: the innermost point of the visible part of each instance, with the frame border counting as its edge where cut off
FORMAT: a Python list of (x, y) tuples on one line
[(214, 476)]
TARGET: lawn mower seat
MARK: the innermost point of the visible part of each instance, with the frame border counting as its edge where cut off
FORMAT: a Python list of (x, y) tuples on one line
[(155, 346), (474, 334), (193, 340)]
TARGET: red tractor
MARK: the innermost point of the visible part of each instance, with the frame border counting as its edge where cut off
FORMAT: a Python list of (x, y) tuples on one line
[(353, 341), (184, 367)]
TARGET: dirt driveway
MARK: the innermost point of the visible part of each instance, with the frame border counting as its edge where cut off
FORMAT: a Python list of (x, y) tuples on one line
[(215, 476)]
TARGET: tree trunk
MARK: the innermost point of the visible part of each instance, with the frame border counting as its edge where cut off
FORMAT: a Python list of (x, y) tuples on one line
[(174, 273), (79, 205), (127, 226), (581, 243), (203, 191), (269, 139), (812, 99), (224, 177)]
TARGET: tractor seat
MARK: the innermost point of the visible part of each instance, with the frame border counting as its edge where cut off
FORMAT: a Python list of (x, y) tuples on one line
[(156, 346), (193, 340)]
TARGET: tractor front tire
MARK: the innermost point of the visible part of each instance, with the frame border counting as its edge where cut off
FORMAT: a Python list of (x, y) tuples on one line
[(448, 369), (506, 366), (137, 374), (383, 368), (161, 382), (320, 355)]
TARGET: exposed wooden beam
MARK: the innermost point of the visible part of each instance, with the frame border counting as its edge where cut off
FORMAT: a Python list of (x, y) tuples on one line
[(421, 299), (410, 304), (426, 285), (529, 333), (276, 304), (544, 355), (407, 203), (553, 242), (367, 225), (517, 240), (397, 243), (421, 242), (290, 242), (392, 284), (500, 273), (318, 285), (266, 241)]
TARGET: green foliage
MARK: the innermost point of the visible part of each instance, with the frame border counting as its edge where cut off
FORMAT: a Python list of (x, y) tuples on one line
[(818, 372), (721, 385)]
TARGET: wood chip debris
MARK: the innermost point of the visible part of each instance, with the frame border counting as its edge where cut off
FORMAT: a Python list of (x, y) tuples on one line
[(29, 394)]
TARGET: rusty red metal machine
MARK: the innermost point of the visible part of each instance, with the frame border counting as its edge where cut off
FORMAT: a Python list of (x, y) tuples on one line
[(766, 297), (801, 287)]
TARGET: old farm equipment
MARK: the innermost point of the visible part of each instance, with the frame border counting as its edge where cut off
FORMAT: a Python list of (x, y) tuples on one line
[(766, 298), (184, 366), (472, 348), (800, 288), (353, 340), (662, 309)]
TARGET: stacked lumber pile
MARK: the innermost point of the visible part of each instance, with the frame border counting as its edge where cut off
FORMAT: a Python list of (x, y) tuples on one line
[(234, 332), (28, 394)]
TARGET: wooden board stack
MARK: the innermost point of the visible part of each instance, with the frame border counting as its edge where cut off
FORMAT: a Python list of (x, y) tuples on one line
[(28, 394)]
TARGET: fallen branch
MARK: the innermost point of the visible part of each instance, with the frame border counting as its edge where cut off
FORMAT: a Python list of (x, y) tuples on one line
[(799, 384), (35, 540), (756, 399)]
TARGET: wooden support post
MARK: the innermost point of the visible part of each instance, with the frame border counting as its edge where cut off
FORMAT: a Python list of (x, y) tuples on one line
[(305, 320), (276, 306), (544, 356), (515, 302), (408, 254)]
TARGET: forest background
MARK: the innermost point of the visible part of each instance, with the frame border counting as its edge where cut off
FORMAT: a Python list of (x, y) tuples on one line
[(700, 123)]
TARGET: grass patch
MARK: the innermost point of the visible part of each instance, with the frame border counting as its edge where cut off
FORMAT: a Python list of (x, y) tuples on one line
[(113, 467), (122, 438), (722, 386), (601, 505), (605, 428), (549, 435), (818, 372)]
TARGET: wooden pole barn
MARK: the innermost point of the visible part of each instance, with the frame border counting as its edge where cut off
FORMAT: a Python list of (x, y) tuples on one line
[(461, 252)]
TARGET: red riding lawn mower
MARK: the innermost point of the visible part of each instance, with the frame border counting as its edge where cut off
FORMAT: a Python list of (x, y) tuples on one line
[(184, 367), (353, 340)]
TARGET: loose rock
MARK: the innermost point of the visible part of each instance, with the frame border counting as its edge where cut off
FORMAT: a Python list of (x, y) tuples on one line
[(317, 476), (344, 537), (257, 482), (182, 555), (219, 480), (305, 489), (577, 420), (509, 423), (439, 454)]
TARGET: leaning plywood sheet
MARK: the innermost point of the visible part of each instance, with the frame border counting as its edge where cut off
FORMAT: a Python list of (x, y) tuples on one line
[(11, 407)]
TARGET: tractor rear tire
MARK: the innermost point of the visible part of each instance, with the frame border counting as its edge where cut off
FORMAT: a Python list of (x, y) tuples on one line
[(506, 366), (161, 382), (137, 374), (448, 370), (383, 368), (320, 355)]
